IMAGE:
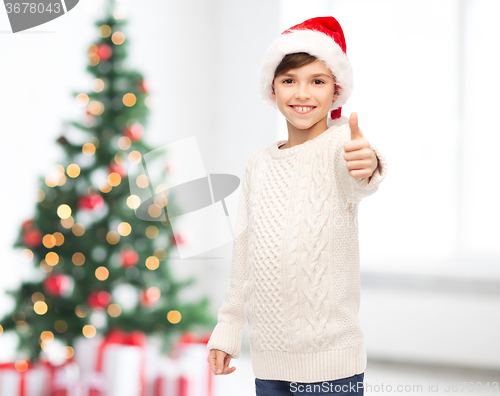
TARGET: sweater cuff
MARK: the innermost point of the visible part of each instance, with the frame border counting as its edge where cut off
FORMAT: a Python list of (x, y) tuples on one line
[(227, 338)]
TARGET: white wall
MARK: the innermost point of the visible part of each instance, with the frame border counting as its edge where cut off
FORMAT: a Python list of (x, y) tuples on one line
[(201, 65)]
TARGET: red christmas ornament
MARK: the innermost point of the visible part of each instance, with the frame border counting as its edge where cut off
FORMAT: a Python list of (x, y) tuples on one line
[(188, 337), (90, 201), (57, 285), (149, 297), (114, 167), (143, 86), (98, 299), (178, 239), (134, 132), (104, 51), (32, 238), (129, 257), (205, 338), (27, 224)]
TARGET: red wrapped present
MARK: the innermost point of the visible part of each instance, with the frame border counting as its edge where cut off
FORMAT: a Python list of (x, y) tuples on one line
[(118, 367), (194, 376), (22, 379), (63, 379), (170, 380)]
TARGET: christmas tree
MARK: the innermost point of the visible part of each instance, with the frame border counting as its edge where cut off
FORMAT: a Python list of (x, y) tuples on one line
[(91, 254)]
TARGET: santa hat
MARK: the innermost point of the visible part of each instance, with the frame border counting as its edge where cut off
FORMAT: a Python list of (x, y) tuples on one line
[(321, 37)]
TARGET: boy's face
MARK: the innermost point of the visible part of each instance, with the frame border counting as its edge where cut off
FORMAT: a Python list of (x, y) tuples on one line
[(304, 95)]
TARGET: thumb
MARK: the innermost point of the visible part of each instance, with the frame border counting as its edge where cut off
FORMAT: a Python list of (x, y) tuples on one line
[(219, 363), (353, 125)]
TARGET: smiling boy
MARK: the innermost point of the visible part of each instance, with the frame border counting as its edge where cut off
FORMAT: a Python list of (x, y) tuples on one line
[(304, 96), (295, 267)]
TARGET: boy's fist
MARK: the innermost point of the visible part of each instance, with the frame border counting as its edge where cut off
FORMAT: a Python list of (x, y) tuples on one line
[(219, 362), (360, 158)]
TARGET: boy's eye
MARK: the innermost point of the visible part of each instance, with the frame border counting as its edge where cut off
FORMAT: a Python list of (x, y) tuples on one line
[(290, 80)]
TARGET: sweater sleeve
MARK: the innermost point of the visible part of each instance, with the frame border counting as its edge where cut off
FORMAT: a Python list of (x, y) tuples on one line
[(356, 189), (231, 318)]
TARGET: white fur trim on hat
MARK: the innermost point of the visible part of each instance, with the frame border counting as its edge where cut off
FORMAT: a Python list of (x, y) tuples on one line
[(314, 43)]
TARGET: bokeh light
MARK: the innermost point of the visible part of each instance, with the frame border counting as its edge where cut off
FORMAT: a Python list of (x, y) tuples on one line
[(95, 108), (104, 31), (81, 311), (82, 99), (40, 307), (142, 181), (114, 179), (124, 143), (89, 331), (101, 273), (114, 310), (88, 149), (129, 99), (174, 316), (152, 263), (113, 237), (155, 210), (118, 38), (97, 85), (134, 157), (21, 365), (37, 296), (73, 170), (64, 211), (124, 229), (78, 229), (52, 258), (133, 201), (78, 258), (152, 232), (60, 326)]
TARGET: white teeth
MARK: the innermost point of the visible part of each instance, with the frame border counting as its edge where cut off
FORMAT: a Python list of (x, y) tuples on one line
[(303, 109)]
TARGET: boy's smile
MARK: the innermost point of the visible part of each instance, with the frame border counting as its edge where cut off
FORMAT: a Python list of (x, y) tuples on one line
[(302, 109), (304, 96)]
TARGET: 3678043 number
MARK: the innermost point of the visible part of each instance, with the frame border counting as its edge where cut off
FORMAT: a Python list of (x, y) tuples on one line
[(33, 8)]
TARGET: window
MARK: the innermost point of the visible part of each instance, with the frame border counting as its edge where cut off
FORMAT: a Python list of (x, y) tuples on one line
[(426, 86)]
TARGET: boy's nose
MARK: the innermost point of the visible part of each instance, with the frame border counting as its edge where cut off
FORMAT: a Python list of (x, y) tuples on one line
[(302, 93)]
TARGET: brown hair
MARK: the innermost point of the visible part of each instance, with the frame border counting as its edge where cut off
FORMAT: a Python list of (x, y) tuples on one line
[(294, 61)]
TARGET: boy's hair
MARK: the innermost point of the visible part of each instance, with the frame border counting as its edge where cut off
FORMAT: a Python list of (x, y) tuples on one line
[(294, 61)]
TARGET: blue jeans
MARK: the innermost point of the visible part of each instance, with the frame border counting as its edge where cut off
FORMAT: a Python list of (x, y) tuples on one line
[(350, 386)]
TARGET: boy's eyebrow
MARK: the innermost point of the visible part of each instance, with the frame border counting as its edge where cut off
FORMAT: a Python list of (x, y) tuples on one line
[(314, 75)]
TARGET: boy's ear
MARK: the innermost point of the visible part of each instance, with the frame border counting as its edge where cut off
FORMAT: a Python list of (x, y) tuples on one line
[(335, 96), (273, 95)]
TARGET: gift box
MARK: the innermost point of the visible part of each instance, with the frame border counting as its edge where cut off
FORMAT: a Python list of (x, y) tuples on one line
[(153, 365), (63, 379), (170, 380), (193, 375), (29, 382), (113, 365)]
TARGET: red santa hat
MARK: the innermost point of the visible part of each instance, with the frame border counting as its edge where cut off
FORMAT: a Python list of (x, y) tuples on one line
[(321, 37)]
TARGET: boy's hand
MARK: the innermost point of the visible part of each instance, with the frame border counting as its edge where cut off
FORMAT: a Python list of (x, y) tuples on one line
[(360, 158), (219, 362)]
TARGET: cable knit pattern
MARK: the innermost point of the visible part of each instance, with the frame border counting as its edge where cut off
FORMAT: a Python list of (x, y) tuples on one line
[(295, 267)]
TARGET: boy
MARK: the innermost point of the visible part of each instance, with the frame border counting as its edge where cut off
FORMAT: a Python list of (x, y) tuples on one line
[(295, 268)]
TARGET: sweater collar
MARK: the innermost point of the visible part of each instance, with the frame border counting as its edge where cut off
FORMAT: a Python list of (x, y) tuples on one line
[(318, 140)]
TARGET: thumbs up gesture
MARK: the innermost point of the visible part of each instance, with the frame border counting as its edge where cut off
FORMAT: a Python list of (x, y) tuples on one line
[(361, 161)]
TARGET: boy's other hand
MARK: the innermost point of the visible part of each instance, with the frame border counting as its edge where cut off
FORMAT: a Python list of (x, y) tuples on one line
[(361, 161), (219, 362)]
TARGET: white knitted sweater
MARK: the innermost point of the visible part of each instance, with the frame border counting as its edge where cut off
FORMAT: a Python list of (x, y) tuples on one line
[(295, 269)]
